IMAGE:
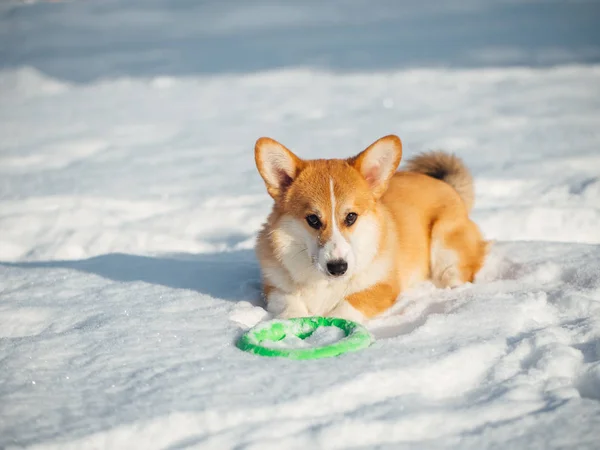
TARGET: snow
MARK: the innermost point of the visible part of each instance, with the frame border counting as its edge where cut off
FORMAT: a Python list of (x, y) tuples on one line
[(129, 204), (323, 336)]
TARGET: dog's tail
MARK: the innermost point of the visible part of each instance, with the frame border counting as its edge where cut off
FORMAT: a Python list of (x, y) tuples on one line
[(448, 168)]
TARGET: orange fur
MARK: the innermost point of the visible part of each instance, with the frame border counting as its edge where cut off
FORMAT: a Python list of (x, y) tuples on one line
[(375, 299), (410, 228)]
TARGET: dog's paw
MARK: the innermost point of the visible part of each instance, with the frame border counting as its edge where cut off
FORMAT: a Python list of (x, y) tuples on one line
[(346, 311), (449, 278), (291, 313)]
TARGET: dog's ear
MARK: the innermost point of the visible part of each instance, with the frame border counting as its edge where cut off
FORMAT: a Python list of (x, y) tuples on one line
[(277, 165), (378, 162)]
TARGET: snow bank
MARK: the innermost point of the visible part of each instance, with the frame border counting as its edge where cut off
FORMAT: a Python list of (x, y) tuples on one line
[(142, 166)]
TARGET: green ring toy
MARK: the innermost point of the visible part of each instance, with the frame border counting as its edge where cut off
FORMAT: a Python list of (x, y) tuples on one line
[(357, 337)]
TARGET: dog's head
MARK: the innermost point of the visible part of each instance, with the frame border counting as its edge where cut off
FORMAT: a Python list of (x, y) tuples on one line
[(328, 222)]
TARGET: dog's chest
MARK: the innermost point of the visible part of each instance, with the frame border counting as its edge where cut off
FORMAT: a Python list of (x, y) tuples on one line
[(322, 296)]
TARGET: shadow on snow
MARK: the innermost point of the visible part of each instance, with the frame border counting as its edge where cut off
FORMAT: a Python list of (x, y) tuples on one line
[(228, 275)]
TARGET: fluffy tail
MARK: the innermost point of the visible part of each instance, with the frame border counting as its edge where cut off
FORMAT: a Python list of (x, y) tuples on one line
[(448, 168)]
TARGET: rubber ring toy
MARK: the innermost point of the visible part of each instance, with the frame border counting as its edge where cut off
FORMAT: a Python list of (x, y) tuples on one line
[(357, 337)]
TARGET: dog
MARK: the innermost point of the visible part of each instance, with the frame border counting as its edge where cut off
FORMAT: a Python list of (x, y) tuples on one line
[(346, 236)]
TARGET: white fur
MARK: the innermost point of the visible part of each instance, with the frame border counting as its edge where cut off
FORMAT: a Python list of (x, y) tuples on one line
[(316, 299), (286, 306), (297, 250), (337, 248), (345, 310), (364, 241), (444, 266)]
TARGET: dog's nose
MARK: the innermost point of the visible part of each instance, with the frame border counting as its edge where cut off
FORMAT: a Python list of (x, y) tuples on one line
[(337, 267)]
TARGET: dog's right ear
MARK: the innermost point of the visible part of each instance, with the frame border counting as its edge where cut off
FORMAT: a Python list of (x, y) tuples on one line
[(277, 165)]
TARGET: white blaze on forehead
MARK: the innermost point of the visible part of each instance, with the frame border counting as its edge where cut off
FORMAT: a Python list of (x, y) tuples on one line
[(337, 247)]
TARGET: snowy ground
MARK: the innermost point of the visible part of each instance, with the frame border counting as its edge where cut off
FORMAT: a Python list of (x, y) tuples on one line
[(128, 209)]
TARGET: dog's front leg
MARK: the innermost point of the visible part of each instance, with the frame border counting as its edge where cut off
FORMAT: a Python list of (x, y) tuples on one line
[(285, 306), (367, 303), (345, 310)]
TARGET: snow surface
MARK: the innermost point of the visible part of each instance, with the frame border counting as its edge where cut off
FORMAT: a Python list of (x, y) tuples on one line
[(129, 203)]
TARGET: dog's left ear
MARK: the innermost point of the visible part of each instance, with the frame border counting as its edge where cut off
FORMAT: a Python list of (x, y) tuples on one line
[(378, 162)]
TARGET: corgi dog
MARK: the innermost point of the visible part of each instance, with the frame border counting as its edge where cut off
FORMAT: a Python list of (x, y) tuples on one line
[(346, 236)]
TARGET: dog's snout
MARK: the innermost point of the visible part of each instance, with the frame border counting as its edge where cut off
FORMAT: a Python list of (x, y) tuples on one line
[(337, 267)]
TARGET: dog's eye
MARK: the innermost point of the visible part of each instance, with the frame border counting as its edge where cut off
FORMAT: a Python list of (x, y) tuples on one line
[(314, 221), (350, 219)]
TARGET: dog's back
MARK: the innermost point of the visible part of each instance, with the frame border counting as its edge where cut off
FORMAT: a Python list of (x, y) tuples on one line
[(429, 202)]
